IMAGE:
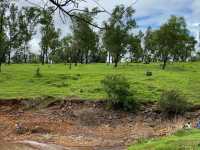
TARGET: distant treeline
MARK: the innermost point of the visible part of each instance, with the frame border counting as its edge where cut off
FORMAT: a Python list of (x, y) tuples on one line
[(116, 40)]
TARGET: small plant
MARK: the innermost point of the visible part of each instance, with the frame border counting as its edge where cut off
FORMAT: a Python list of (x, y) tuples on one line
[(173, 102), (38, 73), (149, 73), (118, 91), (141, 140)]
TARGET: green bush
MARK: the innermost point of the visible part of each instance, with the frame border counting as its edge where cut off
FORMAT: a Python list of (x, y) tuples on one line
[(118, 91), (173, 102)]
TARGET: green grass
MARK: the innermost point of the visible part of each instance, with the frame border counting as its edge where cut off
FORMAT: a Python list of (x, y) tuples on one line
[(182, 140), (19, 81)]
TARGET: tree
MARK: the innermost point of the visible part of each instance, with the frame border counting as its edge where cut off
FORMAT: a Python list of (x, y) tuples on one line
[(3, 38), (86, 38), (68, 50), (63, 54), (28, 19), (135, 47), (117, 31), (172, 40), (13, 30), (147, 45), (50, 36)]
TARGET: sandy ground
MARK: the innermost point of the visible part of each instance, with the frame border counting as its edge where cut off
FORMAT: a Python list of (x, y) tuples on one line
[(80, 125)]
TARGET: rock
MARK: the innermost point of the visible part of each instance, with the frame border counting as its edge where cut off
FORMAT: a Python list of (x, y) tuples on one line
[(38, 129), (148, 120), (110, 117), (130, 119), (19, 129), (149, 73)]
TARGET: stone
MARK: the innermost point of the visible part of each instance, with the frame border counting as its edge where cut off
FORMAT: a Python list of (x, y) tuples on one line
[(19, 129), (149, 73)]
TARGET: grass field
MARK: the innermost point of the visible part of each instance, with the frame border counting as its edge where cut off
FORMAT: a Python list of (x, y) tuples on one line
[(20, 81), (182, 140)]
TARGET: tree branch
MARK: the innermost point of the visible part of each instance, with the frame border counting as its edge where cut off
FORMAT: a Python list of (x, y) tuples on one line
[(72, 15)]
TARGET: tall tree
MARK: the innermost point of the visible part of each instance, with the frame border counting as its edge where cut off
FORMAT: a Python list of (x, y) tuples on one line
[(83, 33), (173, 40), (147, 45), (28, 19), (13, 30), (50, 36), (3, 38), (117, 31), (135, 47)]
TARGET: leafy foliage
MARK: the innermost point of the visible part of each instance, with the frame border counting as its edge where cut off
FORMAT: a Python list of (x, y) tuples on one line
[(171, 41), (116, 35), (50, 36), (84, 37), (3, 37), (118, 91), (173, 102), (134, 47)]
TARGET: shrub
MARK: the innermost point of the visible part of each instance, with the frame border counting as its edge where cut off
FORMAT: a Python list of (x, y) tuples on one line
[(118, 91), (149, 73), (38, 73), (173, 102)]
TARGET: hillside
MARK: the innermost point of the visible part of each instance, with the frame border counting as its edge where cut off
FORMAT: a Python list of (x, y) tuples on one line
[(20, 80)]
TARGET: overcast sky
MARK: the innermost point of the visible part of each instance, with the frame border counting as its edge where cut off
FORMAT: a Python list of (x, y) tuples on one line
[(148, 13)]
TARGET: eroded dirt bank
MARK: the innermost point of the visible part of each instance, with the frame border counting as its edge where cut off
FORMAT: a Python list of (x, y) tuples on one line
[(81, 125)]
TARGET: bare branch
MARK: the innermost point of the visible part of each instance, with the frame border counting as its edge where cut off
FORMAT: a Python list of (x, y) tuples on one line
[(93, 12), (72, 15)]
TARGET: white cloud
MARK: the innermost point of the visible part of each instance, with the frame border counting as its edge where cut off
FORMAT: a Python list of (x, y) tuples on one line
[(148, 12)]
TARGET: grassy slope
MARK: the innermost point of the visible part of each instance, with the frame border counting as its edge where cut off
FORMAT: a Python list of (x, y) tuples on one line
[(182, 140), (84, 80)]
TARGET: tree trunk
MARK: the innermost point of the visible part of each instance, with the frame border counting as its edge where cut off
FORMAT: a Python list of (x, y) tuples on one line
[(9, 57), (9, 53), (109, 58), (25, 53), (116, 63), (86, 58), (42, 58), (70, 62), (0, 65), (164, 64), (116, 60), (81, 59), (25, 50), (46, 58), (186, 56)]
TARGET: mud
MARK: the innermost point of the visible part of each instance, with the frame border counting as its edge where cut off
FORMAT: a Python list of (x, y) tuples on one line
[(81, 125)]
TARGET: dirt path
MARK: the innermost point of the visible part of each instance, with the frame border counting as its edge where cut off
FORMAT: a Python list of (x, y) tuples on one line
[(81, 125)]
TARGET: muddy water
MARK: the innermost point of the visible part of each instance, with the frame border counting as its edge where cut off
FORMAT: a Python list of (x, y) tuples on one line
[(30, 145)]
